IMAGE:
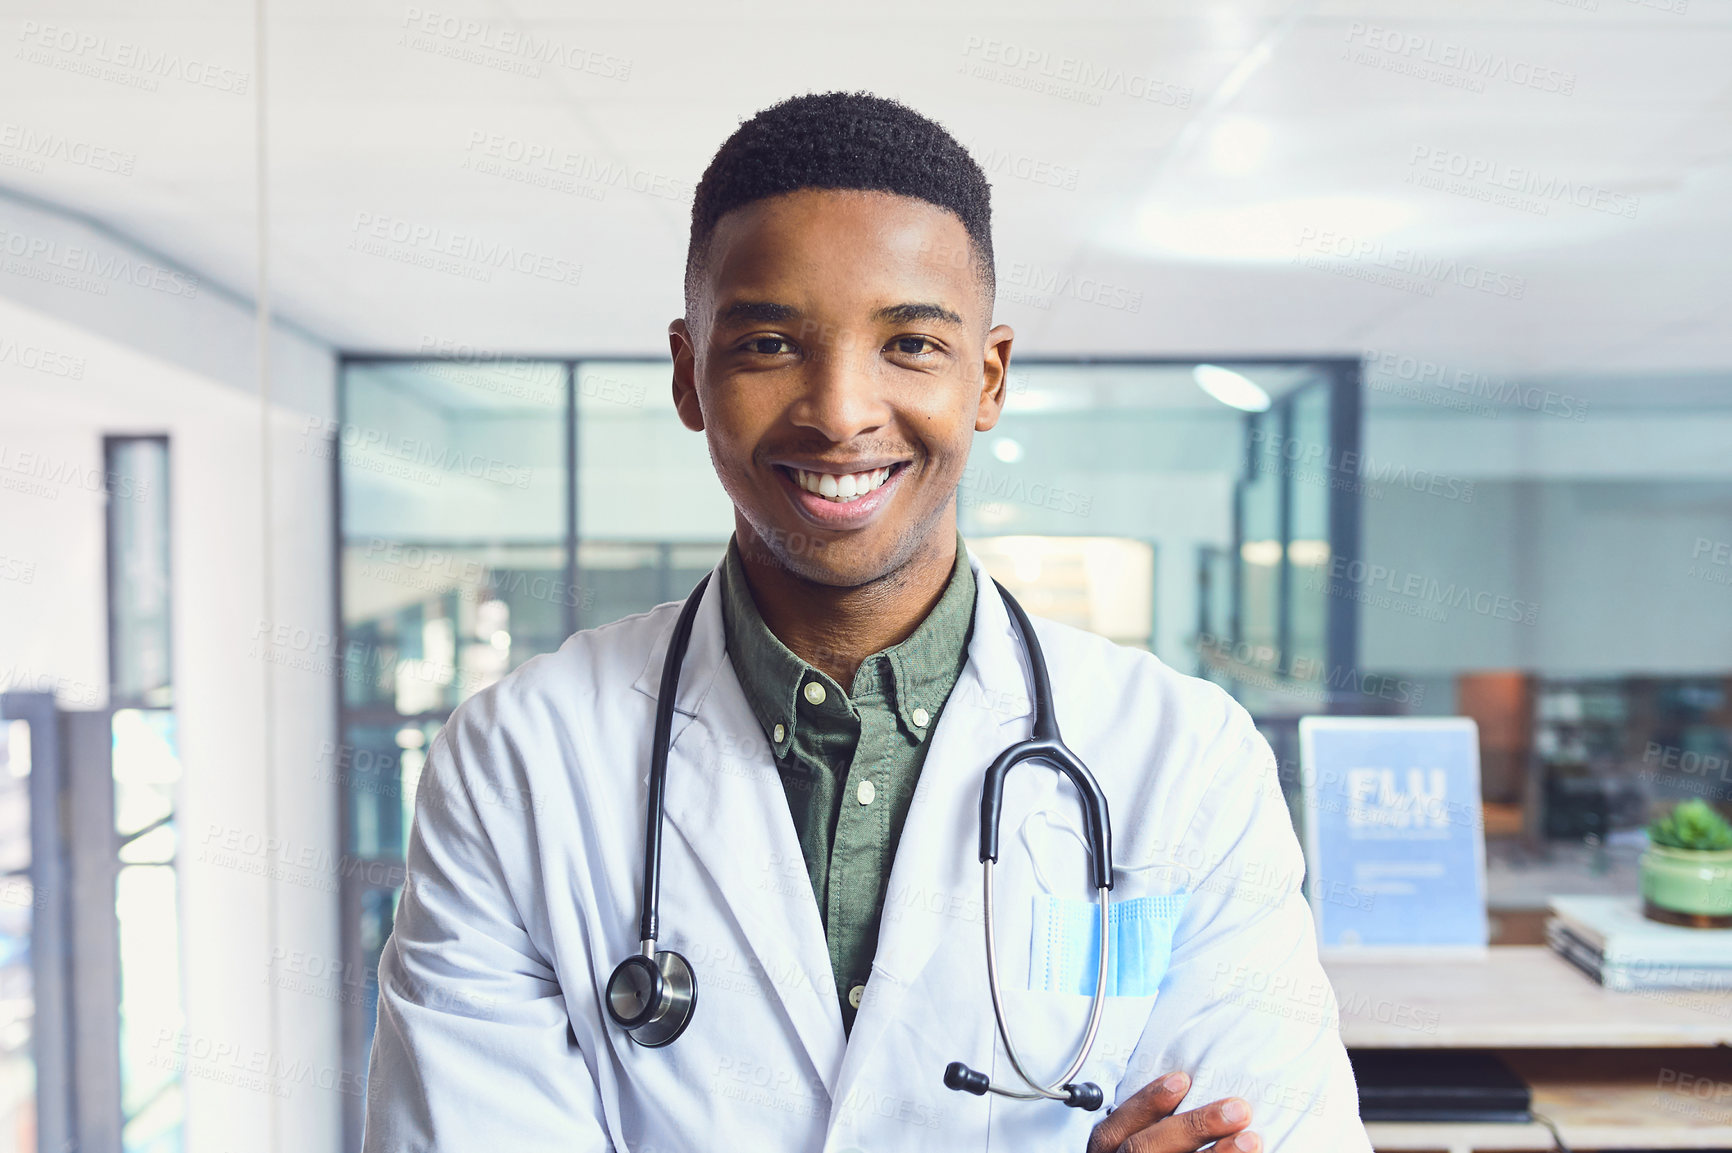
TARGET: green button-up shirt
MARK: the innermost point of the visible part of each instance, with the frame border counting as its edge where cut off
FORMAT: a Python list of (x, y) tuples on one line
[(849, 761)]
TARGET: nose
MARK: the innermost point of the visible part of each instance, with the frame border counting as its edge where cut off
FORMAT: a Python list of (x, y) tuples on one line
[(843, 396)]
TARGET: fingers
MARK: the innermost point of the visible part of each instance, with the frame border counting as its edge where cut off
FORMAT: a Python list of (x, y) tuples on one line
[(1147, 1105), (1220, 1122), (1147, 1123), (1217, 1126)]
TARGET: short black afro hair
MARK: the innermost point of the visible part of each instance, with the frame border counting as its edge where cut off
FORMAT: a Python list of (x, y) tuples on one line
[(842, 140)]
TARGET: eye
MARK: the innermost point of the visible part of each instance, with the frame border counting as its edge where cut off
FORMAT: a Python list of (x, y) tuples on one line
[(914, 345), (767, 345)]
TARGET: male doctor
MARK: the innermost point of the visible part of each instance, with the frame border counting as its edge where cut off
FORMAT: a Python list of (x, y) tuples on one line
[(851, 672)]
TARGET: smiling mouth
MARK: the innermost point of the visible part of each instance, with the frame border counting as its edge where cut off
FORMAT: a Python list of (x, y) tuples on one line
[(842, 488)]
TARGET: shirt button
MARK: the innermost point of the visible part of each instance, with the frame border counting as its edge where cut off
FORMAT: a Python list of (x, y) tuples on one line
[(855, 994), (867, 792), (921, 718), (815, 692)]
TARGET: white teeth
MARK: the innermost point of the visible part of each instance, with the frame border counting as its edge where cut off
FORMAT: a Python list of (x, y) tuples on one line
[(840, 489)]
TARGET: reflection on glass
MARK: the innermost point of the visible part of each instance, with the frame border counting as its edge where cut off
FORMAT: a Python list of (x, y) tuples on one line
[(620, 578), (1260, 552), (429, 626), (1103, 584), (1308, 539), (138, 586), (453, 453), (1215, 625), (1279, 663), (1135, 452), (17, 986), (642, 475), (454, 517), (146, 776), (380, 768)]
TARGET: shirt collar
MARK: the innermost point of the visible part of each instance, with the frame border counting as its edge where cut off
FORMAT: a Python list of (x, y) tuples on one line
[(916, 674)]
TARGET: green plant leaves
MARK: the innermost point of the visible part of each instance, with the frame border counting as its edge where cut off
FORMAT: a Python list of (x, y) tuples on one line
[(1692, 825)]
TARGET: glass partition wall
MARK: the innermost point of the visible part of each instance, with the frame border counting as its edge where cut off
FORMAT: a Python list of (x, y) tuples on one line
[(140, 822), (488, 507), (455, 565)]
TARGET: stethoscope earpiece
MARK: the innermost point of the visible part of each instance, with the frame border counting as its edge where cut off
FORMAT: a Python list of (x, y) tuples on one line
[(965, 1080), (1087, 1096)]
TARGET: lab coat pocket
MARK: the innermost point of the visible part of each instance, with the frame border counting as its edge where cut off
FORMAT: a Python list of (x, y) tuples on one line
[(1064, 950), (1049, 1016)]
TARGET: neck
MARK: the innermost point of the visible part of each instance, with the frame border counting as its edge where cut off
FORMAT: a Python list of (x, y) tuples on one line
[(834, 629)]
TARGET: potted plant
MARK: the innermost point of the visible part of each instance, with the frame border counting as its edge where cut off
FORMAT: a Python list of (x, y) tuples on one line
[(1687, 870)]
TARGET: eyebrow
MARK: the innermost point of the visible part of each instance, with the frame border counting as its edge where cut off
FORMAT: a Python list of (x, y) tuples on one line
[(914, 313), (770, 312), (759, 312)]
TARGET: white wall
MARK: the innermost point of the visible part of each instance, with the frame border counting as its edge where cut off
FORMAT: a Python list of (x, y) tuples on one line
[(52, 555), (151, 361)]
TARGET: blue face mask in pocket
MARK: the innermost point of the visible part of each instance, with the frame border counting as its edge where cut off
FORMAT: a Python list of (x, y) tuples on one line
[(1065, 951)]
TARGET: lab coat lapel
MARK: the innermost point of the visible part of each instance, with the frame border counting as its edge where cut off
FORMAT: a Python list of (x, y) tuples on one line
[(726, 801), (934, 894)]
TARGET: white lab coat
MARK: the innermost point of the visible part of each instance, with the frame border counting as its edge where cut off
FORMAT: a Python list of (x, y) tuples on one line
[(524, 869)]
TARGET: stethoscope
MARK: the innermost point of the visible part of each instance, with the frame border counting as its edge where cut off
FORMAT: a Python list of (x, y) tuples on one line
[(653, 993)]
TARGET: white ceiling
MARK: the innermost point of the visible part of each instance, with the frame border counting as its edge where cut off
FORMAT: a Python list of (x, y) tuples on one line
[(1192, 214)]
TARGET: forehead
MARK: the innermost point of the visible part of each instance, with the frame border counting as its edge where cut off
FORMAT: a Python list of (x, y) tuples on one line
[(833, 242)]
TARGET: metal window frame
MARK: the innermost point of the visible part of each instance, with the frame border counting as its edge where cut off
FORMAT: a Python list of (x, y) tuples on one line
[(1341, 379), (93, 858)]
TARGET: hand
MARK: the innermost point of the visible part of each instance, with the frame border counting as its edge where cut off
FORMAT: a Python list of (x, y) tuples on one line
[(1147, 1124)]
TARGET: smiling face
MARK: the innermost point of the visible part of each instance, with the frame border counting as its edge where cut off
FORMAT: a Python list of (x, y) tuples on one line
[(837, 356)]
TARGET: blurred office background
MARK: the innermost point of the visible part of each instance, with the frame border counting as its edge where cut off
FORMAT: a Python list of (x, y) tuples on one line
[(1372, 358)]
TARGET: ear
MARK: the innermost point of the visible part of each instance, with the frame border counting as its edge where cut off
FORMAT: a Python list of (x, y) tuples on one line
[(685, 376), (994, 377)]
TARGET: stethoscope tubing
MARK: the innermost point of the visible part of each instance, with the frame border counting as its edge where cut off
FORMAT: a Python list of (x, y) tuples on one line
[(666, 1009), (1042, 1091), (649, 926)]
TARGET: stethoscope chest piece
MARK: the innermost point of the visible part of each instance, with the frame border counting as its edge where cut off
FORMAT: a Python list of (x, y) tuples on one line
[(653, 999)]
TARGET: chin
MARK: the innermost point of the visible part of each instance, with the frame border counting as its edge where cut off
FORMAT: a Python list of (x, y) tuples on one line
[(841, 562)]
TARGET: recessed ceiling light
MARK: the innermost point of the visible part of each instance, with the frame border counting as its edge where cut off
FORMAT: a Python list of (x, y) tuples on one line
[(1231, 388), (1007, 450)]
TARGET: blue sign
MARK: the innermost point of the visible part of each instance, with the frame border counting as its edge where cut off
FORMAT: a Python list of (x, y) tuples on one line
[(1394, 833)]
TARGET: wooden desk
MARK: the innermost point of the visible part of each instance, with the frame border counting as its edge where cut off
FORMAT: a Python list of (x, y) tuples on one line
[(1523, 997), (1612, 1070)]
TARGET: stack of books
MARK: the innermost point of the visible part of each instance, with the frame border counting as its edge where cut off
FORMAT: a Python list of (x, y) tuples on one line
[(1610, 940)]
